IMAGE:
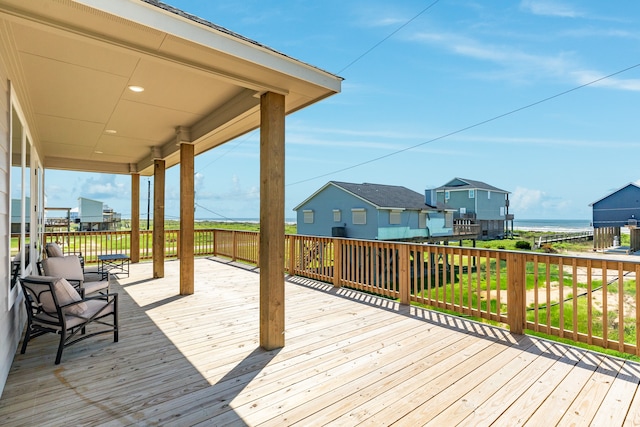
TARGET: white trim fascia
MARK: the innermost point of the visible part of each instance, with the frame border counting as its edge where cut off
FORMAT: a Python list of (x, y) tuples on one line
[(154, 17)]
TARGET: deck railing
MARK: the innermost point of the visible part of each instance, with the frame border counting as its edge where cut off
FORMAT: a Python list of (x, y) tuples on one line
[(587, 300)]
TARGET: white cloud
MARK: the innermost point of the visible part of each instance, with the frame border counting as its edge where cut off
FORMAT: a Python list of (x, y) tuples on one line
[(587, 76), (550, 8), (524, 199), (102, 187)]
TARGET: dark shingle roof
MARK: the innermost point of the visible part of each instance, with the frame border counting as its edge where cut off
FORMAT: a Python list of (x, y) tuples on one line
[(385, 196), (470, 183)]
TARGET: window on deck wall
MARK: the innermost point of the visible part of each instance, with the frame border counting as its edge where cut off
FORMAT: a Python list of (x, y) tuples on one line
[(358, 216), (308, 216), (395, 217), (448, 219), (422, 220), (337, 215)]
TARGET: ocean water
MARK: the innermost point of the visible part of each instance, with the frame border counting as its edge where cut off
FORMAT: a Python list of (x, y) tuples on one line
[(555, 225)]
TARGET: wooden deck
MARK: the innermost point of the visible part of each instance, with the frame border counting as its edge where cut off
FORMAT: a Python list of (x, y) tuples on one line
[(349, 359)]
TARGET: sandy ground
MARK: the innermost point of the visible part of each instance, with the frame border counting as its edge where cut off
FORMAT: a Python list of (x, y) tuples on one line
[(597, 295)]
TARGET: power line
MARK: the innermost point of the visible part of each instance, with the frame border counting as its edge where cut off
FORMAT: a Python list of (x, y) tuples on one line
[(387, 37), (483, 122)]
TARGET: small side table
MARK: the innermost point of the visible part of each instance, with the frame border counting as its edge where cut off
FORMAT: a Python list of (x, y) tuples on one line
[(114, 264)]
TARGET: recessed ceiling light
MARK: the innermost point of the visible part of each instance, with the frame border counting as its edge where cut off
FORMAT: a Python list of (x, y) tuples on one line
[(136, 88), (111, 131)]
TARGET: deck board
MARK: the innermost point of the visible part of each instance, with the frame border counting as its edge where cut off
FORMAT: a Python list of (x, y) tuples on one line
[(350, 359)]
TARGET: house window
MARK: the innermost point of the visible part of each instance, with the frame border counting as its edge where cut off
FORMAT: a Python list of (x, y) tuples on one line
[(448, 220), (488, 194), (395, 217), (502, 213), (422, 220), (472, 194), (308, 216), (358, 216), (337, 215), (446, 195), (463, 211)]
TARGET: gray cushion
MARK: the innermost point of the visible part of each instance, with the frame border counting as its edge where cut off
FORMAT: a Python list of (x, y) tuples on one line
[(53, 250), (68, 267), (65, 294)]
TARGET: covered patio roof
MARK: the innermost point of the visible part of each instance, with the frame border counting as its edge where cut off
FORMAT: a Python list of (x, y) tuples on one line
[(76, 61)]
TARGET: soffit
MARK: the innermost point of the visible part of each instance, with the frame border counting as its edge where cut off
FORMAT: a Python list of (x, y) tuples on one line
[(74, 64)]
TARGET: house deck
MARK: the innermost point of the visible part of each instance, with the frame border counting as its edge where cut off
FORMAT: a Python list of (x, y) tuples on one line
[(349, 359)]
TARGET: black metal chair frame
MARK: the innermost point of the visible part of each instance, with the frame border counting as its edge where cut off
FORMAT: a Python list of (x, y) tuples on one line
[(41, 322)]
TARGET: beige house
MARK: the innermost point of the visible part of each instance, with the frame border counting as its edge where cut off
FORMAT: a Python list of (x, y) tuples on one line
[(134, 87)]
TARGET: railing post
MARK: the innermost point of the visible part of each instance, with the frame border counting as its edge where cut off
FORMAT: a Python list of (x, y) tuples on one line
[(337, 262), (403, 273), (516, 283), (234, 244), (290, 241)]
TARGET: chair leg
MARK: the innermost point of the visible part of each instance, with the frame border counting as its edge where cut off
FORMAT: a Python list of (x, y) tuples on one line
[(25, 341), (115, 320), (63, 335)]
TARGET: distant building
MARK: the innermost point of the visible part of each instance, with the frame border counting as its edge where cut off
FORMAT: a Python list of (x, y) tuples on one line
[(621, 208), (371, 212), (94, 215), (476, 204)]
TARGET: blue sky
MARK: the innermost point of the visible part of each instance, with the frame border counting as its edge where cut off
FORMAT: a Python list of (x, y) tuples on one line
[(451, 91)]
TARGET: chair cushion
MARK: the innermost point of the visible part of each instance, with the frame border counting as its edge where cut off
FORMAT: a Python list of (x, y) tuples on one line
[(53, 250), (65, 294), (91, 287), (68, 267)]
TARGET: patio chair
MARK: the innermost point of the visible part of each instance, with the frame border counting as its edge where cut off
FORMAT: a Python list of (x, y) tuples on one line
[(54, 306), (69, 268), (53, 249)]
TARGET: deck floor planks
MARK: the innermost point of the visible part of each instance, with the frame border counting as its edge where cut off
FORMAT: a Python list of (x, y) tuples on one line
[(330, 371), (622, 391), (551, 411), (278, 374), (529, 363), (588, 401)]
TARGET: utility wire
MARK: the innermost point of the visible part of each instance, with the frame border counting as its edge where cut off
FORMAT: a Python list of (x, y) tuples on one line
[(388, 37), (475, 125)]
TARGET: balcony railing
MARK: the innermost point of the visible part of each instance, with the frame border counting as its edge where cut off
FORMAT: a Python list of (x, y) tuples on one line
[(587, 300)]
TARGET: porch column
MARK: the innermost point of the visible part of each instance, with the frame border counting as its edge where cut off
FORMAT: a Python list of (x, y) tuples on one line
[(158, 218), (271, 221), (187, 200), (134, 252)]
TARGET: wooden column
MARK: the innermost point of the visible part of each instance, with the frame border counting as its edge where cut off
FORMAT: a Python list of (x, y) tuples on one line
[(187, 200), (134, 252), (271, 221), (158, 218), (516, 300)]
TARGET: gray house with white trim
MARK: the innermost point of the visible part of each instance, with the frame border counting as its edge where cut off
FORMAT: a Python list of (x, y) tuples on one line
[(474, 203), (371, 212)]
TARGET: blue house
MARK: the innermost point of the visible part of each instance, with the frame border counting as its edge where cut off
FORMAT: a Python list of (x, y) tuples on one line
[(620, 208), (476, 204), (371, 212)]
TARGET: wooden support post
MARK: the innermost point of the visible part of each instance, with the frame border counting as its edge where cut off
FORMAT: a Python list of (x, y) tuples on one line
[(404, 276), (337, 263), (271, 221), (516, 282), (158, 218), (134, 251), (187, 201)]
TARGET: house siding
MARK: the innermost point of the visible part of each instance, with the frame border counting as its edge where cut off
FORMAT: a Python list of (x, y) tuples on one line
[(323, 205), (12, 319), (616, 209)]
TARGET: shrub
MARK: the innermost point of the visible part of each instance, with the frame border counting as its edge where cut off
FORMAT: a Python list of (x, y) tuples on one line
[(521, 244)]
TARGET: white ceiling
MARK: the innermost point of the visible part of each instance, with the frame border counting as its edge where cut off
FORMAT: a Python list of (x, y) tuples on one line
[(72, 65)]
